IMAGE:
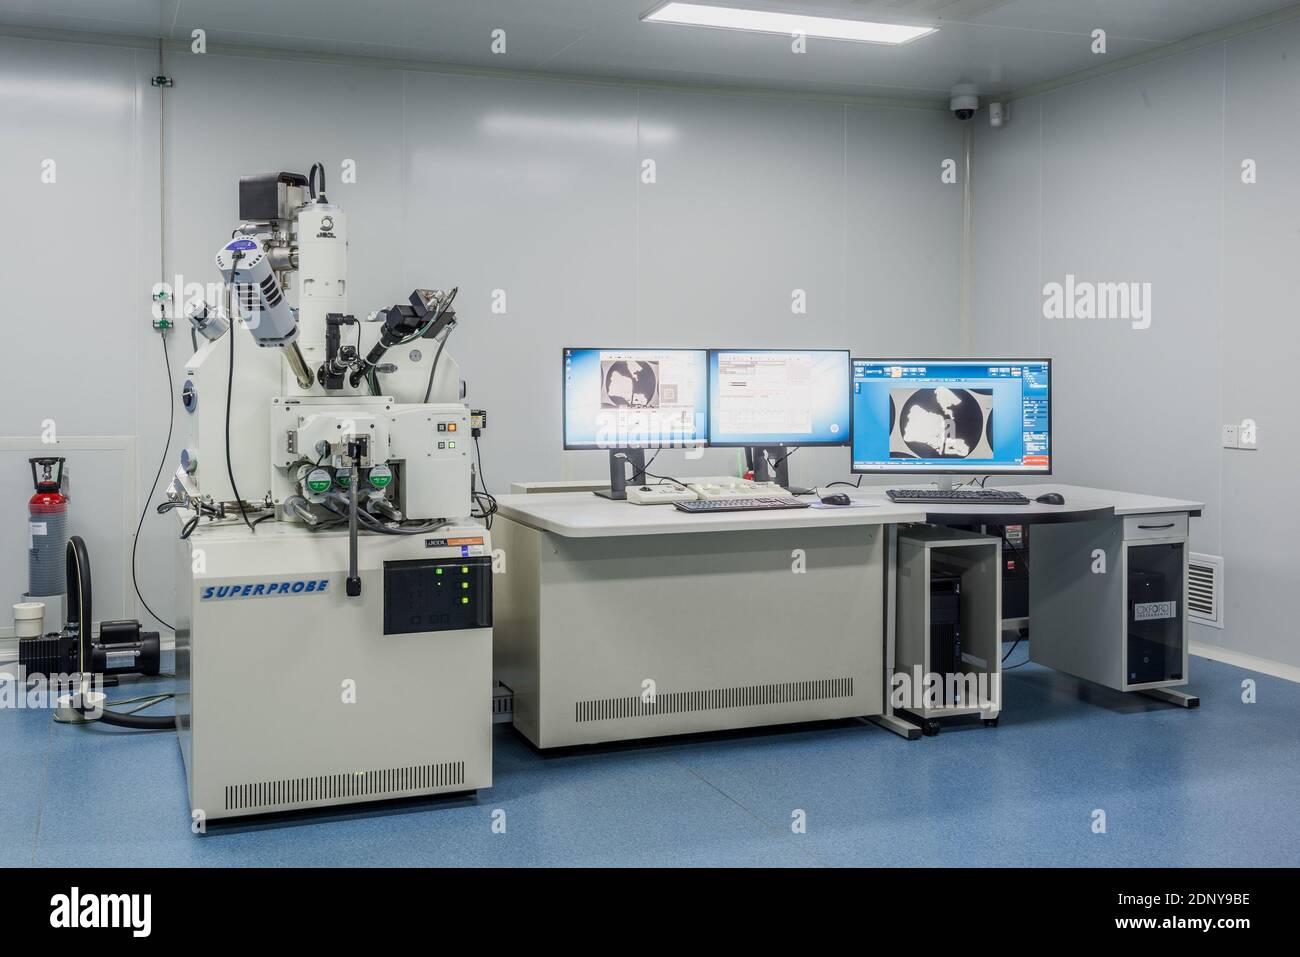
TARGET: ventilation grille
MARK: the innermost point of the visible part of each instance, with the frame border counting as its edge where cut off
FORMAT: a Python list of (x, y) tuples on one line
[(503, 705), (948, 9), (330, 787), (681, 702), (1205, 589), (249, 300), (271, 290)]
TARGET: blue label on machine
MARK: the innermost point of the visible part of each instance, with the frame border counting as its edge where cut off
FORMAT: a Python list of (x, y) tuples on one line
[(242, 244), (301, 586)]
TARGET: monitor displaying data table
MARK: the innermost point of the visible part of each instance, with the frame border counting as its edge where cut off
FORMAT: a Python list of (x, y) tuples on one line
[(779, 397)]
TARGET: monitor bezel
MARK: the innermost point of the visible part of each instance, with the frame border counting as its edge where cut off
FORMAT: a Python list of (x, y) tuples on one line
[(977, 360), (847, 442), (702, 443)]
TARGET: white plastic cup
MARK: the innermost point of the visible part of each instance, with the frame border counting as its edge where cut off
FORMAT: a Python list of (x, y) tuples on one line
[(29, 619)]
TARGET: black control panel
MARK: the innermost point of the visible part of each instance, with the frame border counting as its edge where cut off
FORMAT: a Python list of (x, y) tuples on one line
[(437, 594)]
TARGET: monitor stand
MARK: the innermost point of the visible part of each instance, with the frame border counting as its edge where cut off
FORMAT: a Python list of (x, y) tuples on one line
[(760, 459), (618, 459), (942, 483)]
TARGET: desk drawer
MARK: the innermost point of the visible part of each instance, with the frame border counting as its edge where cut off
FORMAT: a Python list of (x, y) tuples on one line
[(1160, 525)]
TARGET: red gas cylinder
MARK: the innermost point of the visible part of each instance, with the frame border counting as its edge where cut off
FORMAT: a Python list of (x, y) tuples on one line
[(47, 529)]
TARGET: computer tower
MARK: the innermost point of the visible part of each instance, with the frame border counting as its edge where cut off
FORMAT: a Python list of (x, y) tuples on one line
[(1015, 572), (945, 629), (1154, 646)]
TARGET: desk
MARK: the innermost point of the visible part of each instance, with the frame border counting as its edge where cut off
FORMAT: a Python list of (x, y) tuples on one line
[(1087, 555), (615, 621)]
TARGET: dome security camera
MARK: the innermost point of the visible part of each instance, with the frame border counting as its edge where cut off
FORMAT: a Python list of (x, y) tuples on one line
[(964, 101)]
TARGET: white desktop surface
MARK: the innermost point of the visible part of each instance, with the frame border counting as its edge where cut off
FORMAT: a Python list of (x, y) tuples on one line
[(584, 515)]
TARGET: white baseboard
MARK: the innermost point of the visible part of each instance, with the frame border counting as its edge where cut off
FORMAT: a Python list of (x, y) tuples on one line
[(1240, 660)]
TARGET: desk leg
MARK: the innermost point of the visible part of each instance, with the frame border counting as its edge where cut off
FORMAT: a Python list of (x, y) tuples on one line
[(1173, 696), (887, 719), (891, 722)]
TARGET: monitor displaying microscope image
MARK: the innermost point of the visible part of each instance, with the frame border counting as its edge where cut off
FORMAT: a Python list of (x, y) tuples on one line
[(983, 416), (635, 398)]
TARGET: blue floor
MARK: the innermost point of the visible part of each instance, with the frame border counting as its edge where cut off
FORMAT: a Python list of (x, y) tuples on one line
[(1213, 786)]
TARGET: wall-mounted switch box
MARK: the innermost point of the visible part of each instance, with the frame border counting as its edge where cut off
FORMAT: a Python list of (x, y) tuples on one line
[(1230, 437)]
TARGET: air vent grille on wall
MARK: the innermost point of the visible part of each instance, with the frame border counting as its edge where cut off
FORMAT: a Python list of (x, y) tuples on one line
[(1205, 589), (329, 787), (679, 702)]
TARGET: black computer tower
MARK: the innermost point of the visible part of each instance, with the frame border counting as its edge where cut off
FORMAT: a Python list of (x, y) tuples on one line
[(1155, 613), (1015, 570), (945, 628)]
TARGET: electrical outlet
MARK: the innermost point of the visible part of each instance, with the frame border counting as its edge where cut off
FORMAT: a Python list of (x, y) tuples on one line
[(1248, 435), (1231, 437)]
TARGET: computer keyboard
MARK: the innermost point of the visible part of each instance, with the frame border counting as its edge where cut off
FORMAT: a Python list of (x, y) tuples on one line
[(740, 504), (956, 496)]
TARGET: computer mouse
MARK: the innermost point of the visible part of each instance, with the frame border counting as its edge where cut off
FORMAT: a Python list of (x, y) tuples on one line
[(835, 498), (1051, 498)]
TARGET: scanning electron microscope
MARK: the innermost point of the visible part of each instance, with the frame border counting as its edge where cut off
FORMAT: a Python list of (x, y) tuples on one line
[(334, 577)]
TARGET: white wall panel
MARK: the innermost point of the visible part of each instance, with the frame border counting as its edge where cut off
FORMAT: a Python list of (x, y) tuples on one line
[(491, 184)]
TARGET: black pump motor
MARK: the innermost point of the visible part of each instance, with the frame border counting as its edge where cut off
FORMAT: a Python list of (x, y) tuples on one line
[(122, 647)]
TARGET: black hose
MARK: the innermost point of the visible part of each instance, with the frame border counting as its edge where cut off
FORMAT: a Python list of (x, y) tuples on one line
[(311, 182), (230, 386), (171, 422), (77, 577), (433, 368), (138, 722)]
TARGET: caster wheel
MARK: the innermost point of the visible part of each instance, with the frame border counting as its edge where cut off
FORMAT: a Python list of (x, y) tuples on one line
[(930, 728), (990, 722)]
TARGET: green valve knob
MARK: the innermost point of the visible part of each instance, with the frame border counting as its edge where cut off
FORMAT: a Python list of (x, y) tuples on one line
[(319, 481), (381, 476)]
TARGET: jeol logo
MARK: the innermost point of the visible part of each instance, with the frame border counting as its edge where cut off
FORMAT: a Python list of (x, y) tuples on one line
[(74, 910), (1098, 300), (300, 586)]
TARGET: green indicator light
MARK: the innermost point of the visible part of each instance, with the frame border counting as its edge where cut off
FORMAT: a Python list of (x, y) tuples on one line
[(464, 584), (437, 571), (465, 600), (451, 445), (464, 569)]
